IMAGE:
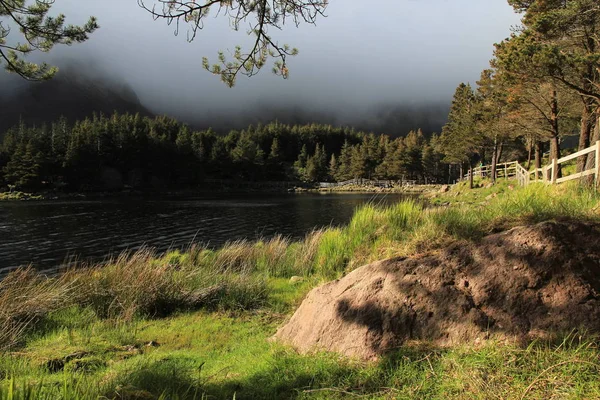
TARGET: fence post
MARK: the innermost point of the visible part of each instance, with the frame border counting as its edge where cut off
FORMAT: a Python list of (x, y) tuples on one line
[(554, 169), (505, 171), (544, 174), (597, 164)]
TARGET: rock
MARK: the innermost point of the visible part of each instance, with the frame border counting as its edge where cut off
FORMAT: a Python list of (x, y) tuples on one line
[(489, 185), (296, 279), (511, 187), (444, 188), (460, 294)]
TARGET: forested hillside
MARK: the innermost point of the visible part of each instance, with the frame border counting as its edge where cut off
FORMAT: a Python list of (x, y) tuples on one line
[(125, 149)]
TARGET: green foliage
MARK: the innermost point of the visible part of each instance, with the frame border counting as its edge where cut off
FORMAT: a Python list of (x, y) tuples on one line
[(460, 139), (40, 31), (261, 16)]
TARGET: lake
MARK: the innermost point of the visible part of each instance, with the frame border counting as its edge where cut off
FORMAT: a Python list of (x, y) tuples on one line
[(48, 233)]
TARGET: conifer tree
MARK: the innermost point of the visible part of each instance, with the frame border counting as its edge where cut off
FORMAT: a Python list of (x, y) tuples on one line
[(493, 107), (559, 44), (460, 140), (358, 162), (40, 31), (343, 170), (262, 16), (333, 167), (275, 153)]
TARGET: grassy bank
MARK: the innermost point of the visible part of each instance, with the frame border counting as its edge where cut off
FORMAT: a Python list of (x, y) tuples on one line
[(195, 324)]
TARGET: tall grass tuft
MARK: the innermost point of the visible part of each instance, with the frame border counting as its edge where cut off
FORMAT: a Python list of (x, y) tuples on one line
[(132, 285), (25, 298), (304, 254), (333, 253), (271, 256), (234, 257)]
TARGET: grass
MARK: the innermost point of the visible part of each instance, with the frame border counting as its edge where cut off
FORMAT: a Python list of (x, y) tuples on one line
[(225, 356), (196, 324)]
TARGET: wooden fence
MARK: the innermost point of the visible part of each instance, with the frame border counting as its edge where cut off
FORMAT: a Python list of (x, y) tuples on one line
[(545, 174), (369, 182), (503, 170)]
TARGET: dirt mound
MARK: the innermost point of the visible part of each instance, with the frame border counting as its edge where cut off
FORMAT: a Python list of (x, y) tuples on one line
[(532, 281)]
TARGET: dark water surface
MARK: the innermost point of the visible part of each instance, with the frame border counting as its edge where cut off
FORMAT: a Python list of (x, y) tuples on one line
[(47, 233)]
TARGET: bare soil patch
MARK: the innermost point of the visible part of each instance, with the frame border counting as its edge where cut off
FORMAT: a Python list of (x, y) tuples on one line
[(528, 282)]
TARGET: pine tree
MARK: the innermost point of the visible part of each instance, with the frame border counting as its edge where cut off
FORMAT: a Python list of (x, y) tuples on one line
[(558, 45), (460, 141), (23, 170), (333, 168), (301, 163), (40, 32), (358, 162), (275, 153), (343, 170)]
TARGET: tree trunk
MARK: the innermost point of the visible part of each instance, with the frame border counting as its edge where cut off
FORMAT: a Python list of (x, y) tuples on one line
[(539, 151), (587, 122), (500, 149), (470, 174), (494, 159), (555, 154), (590, 112), (591, 159), (554, 144), (529, 153)]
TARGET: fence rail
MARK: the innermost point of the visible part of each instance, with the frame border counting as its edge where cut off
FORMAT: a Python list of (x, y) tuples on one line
[(548, 175), (503, 170), (369, 182)]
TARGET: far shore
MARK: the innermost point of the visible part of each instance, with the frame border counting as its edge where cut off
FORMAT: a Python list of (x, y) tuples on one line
[(348, 189)]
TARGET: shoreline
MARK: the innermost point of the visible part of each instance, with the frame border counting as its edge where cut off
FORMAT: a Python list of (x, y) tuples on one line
[(350, 189)]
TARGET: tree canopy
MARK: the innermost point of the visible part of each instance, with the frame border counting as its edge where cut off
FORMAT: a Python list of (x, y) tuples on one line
[(39, 31)]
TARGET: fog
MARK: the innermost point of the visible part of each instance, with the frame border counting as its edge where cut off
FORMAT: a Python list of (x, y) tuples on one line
[(365, 64)]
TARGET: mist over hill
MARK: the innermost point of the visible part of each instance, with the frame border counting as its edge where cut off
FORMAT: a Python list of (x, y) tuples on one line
[(78, 91), (389, 118), (72, 94)]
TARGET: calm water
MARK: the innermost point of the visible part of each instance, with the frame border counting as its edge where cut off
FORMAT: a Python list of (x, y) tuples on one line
[(48, 233)]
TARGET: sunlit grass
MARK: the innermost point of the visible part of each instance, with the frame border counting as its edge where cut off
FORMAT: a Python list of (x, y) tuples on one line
[(224, 356)]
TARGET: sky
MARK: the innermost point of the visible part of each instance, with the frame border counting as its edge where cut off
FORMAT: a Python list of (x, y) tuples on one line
[(361, 57)]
